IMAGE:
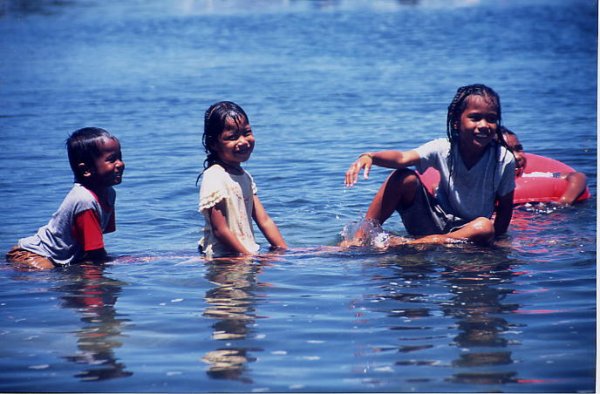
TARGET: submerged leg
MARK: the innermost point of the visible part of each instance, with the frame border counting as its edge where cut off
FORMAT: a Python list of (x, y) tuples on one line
[(478, 231)]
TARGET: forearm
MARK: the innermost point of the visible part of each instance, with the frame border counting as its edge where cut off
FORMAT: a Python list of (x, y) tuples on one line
[(577, 182), (272, 234), (389, 159), (230, 241), (504, 211)]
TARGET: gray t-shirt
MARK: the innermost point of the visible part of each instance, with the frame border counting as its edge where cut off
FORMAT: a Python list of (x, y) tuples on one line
[(471, 193), (55, 240)]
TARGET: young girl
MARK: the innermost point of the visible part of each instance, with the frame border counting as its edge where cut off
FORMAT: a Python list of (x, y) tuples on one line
[(228, 194), (476, 176)]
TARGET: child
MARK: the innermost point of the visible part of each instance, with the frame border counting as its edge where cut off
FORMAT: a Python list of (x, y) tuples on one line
[(228, 194), (74, 232), (577, 181), (477, 176)]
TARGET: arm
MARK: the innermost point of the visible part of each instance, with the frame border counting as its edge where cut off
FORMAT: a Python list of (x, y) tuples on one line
[(388, 159), (218, 221), (96, 256), (504, 210), (577, 184), (266, 225)]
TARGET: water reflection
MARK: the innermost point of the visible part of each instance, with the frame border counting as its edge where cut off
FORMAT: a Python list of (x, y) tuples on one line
[(479, 285), (231, 304), (475, 284), (93, 296)]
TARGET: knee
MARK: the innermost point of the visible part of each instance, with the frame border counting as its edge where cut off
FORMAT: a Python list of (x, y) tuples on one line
[(484, 231), (404, 178)]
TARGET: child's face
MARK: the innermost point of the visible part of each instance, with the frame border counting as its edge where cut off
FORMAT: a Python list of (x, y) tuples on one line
[(109, 165), (517, 149), (236, 143), (478, 125)]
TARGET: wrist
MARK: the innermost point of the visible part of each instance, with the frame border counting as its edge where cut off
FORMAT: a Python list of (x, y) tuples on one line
[(367, 154)]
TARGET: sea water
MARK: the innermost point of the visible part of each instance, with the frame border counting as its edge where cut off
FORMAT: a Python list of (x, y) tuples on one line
[(322, 81)]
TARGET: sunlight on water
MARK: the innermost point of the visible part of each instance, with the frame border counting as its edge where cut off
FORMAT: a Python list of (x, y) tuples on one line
[(322, 81)]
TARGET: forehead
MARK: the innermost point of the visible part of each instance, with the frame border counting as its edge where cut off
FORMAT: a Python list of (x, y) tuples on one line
[(106, 144), (235, 122), (480, 103)]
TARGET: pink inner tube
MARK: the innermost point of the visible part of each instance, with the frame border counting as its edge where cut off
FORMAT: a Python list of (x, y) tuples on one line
[(528, 189)]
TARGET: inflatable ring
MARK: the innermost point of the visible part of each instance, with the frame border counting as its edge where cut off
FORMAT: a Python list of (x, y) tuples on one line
[(543, 188)]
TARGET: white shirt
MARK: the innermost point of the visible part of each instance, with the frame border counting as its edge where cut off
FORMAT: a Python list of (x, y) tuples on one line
[(238, 193)]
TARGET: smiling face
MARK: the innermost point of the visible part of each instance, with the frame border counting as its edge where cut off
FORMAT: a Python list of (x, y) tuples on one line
[(108, 165), (236, 143), (478, 126)]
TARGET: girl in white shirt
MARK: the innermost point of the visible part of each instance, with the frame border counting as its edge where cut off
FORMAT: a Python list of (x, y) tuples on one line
[(228, 194)]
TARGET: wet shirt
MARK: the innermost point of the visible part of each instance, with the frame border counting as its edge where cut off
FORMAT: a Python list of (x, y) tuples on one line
[(238, 193), (469, 193), (76, 227)]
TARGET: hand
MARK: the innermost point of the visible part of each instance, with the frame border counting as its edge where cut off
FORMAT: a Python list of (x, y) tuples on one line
[(364, 161)]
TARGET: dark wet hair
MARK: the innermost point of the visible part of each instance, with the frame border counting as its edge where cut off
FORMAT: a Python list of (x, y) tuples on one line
[(215, 119), (83, 146)]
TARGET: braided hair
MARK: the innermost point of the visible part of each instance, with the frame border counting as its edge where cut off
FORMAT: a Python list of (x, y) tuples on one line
[(215, 119)]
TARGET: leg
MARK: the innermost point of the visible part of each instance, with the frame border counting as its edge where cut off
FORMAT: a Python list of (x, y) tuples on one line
[(28, 261), (397, 191), (479, 231)]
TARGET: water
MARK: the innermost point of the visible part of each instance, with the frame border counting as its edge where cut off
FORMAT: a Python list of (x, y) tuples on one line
[(321, 81)]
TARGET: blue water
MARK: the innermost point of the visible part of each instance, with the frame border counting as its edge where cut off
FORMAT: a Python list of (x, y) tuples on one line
[(321, 81)]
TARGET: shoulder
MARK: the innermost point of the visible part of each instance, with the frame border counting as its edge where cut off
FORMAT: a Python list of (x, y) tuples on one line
[(439, 145), (214, 170)]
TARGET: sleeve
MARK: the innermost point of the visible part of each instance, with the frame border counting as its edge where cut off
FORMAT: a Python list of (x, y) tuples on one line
[(507, 181), (87, 230), (212, 191), (429, 153)]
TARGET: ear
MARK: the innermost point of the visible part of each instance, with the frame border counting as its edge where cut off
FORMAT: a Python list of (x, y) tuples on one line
[(84, 170)]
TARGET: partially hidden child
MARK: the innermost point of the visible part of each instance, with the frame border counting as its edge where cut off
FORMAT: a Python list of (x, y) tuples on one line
[(476, 170), (228, 195), (75, 231)]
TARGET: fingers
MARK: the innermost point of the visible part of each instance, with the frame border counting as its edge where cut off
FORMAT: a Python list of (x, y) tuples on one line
[(354, 170)]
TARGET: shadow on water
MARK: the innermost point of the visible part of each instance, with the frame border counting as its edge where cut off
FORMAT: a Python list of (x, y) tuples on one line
[(93, 296)]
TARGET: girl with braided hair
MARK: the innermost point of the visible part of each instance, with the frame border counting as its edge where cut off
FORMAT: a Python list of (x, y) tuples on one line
[(476, 177), (228, 194)]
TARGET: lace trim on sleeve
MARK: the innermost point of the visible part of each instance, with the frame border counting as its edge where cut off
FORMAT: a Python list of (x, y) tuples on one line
[(211, 200)]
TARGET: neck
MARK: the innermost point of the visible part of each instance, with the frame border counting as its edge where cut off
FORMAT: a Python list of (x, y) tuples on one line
[(471, 157), (232, 168)]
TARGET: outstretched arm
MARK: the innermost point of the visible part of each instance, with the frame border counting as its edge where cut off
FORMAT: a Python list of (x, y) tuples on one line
[(267, 226), (218, 221), (388, 159), (577, 184), (503, 213)]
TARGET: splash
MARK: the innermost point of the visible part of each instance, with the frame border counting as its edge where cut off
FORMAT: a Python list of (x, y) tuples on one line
[(365, 232)]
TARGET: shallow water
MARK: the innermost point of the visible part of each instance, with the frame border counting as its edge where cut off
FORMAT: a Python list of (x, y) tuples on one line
[(321, 81)]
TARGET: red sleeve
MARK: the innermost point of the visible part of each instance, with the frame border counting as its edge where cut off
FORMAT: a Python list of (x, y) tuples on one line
[(87, 230)]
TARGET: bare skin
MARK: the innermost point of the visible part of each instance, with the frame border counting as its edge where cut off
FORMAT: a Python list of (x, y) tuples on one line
[(477, 129)]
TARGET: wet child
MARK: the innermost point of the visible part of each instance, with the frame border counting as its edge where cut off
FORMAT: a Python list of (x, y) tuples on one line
[(577, 181), (228, 194), (476, 177), (75, 231)]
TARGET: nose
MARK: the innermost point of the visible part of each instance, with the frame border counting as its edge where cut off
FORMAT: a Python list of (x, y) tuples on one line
[(243, 140), (120, 164)]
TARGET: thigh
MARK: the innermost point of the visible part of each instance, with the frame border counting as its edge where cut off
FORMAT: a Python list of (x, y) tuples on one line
[(25, 259), (424, 216)]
